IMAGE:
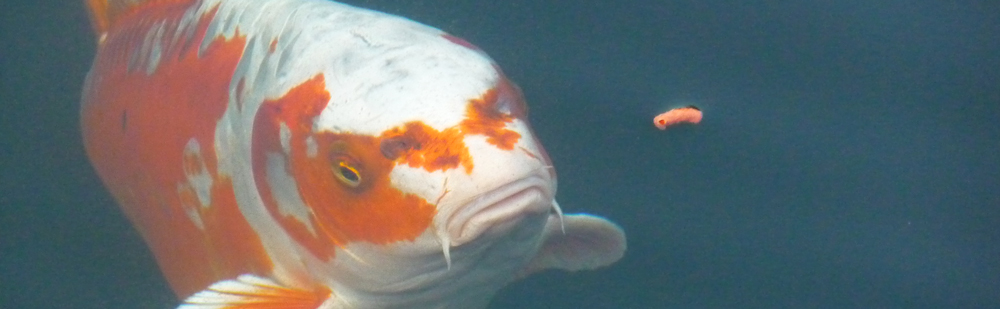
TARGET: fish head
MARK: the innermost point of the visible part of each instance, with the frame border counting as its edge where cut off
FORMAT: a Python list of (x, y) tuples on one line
[(412, 165)]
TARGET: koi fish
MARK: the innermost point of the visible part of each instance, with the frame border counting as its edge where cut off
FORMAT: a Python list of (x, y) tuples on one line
[(311, 154), (688, 114)]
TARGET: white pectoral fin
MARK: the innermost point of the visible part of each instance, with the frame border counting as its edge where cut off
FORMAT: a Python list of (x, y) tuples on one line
[(589, 242), (251, 291)]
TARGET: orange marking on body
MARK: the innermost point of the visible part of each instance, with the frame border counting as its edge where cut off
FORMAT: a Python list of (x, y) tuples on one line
[(688, 114), (136, 127), (273, 46), (370, 210)]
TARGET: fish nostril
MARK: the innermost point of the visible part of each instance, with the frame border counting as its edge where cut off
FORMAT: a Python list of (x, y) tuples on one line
[(394, 147), (511, 100)]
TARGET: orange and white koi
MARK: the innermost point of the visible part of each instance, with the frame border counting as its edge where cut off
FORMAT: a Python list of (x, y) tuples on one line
[(310, 154)]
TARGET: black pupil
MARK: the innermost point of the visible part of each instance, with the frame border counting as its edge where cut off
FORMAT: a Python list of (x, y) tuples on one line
[(348, 174)]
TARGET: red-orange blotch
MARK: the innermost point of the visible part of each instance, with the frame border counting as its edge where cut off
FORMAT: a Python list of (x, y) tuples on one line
[(687, 114)]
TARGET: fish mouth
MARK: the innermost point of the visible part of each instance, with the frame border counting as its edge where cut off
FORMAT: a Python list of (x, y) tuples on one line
[(499, 210)]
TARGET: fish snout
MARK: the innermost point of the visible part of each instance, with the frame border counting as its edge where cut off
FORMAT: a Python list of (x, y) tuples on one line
[(500, 210)]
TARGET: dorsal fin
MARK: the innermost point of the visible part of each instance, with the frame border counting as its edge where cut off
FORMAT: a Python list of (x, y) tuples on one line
[(104, 13)]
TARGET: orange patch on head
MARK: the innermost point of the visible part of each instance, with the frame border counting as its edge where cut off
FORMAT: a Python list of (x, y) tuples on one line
[(136, 128), (420, 146), (490, 115), (344, 183)]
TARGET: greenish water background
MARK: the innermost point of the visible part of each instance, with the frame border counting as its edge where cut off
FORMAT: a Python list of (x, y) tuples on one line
[(848, 157)]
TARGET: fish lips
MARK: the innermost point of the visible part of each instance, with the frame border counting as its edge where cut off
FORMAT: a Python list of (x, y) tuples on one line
[(500, 210)]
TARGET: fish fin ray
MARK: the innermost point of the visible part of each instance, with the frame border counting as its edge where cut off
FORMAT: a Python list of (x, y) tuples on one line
[(251, 291), (104, 13)]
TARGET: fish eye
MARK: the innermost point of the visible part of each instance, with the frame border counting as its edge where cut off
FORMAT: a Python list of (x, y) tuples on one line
[(347, 174)]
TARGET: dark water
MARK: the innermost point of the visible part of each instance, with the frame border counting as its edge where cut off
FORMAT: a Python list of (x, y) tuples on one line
[(849, 156)]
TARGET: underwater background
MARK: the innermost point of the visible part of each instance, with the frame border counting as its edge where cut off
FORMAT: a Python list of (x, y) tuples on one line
[(849, 156)]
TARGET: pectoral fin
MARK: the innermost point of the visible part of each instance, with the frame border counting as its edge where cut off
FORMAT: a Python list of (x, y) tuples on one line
[(588, 243), (250, 291)]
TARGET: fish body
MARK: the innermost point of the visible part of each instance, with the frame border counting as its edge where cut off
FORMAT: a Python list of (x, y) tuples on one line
[(311, 154)]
